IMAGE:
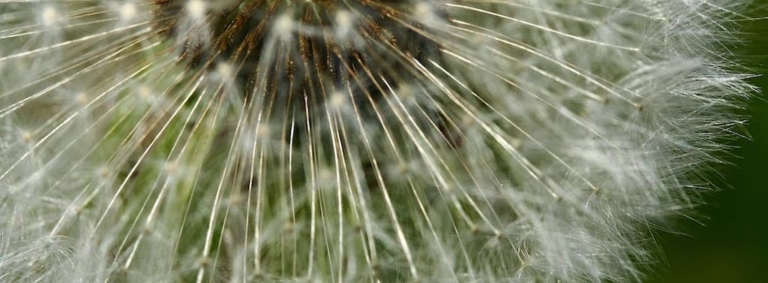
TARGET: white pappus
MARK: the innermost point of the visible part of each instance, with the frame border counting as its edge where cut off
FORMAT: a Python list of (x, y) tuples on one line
[(355, 140)]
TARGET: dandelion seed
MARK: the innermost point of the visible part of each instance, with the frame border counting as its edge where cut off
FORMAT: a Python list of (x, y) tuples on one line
[(354, 141)]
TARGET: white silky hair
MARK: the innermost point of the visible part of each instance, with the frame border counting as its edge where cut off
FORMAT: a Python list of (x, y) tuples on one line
[(537, 143)]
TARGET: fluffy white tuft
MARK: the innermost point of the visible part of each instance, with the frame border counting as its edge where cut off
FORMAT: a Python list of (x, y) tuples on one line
[(355, 141)]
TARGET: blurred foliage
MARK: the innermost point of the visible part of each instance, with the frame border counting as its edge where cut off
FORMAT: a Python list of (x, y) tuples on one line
[(730, 245)]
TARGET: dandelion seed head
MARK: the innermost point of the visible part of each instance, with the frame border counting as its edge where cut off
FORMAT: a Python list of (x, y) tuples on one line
[(355, 141)]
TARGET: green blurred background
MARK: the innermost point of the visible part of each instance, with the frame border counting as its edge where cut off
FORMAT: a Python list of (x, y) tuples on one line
[(731, 243)]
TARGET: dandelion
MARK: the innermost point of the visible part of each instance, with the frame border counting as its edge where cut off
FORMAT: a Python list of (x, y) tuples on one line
[(356, 140)]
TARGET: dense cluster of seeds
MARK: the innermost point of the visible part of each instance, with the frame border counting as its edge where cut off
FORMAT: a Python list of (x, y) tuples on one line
[(353, 140)]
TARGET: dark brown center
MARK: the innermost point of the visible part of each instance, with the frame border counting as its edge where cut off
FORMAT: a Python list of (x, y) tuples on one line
[(297, 51)]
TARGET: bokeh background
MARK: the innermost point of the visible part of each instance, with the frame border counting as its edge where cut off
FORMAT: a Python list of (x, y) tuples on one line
[(728, 242)]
